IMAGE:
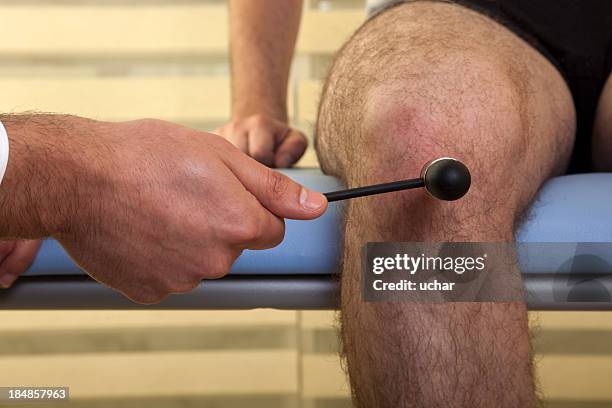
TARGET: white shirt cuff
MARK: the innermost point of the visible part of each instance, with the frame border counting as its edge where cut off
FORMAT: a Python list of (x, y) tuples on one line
[(4, 151)]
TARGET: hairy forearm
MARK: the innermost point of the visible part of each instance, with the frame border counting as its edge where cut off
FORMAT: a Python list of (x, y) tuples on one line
[(44, 171), (262, 36)]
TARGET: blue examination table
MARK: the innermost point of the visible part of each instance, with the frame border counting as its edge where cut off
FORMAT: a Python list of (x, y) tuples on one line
[(571, 270)]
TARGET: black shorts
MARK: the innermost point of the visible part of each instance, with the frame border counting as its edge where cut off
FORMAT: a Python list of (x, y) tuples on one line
[(576, 36)]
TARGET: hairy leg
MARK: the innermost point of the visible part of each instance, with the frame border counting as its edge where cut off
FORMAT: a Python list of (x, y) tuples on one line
[(602, 137), (425, 80)]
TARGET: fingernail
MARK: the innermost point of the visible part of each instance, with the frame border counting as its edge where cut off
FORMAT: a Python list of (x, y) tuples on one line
[(6, 281), (284, 160), (310, 200)]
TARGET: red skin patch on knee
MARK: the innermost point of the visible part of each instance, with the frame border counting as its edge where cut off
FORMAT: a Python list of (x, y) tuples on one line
[(399, 135)]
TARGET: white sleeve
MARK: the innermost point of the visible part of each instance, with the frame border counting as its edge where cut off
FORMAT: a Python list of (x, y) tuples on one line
[(4, 151)]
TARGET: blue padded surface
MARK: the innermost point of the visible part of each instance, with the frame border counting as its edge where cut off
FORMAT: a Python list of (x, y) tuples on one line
[(569, 209), (574, 208)]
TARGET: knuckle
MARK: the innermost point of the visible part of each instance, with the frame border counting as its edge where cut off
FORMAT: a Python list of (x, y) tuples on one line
[(276, 183), (238, 126), (248, 230), (277, 237), (219, 268), (259, 120)]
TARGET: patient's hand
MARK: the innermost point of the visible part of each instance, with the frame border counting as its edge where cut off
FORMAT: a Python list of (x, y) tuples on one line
[(269, 141), (15, 258)]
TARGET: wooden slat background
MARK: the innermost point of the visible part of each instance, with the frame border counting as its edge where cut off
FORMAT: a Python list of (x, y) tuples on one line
[(126, 59)]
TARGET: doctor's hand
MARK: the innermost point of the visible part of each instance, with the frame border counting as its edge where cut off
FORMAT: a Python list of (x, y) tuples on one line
[(148, 207), (267, 140)]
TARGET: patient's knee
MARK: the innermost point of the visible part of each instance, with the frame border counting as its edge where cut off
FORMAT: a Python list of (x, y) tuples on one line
[(479, 116)]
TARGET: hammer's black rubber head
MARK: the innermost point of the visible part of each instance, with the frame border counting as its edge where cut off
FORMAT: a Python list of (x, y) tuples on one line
[(446, 179)]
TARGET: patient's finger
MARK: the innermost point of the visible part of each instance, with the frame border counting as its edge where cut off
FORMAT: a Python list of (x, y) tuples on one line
[(261, 145), (239, 138), (291, 148)]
